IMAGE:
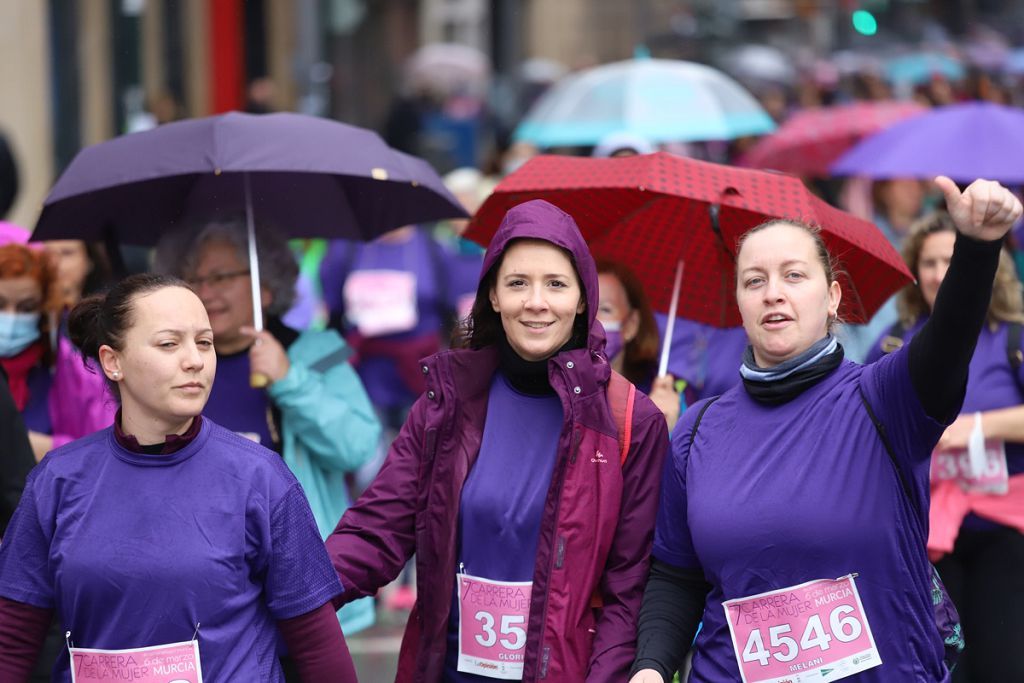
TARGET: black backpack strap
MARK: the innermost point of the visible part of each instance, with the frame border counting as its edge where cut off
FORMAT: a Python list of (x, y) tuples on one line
[(880, 428), (700, 416), (337, 319), (333, 358), (1013, 352)]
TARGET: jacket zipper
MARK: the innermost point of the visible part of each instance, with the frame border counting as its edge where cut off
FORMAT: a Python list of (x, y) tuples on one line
[(560, 550)]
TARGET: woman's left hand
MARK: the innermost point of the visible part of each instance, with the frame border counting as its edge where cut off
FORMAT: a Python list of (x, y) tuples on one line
[(266, 355), (957, 434), (664, 395), (985, 210)]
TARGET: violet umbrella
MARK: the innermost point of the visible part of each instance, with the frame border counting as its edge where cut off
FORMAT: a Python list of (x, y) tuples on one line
[(311, 177), (962, 141)]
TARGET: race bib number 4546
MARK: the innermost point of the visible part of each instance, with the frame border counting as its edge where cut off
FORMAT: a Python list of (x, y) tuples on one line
[(816, 631)]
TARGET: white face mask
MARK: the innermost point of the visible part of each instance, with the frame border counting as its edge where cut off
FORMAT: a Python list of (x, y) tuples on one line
[(17, 332)]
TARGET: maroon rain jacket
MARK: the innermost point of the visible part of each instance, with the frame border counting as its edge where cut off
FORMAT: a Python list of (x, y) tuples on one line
[(598, 521)]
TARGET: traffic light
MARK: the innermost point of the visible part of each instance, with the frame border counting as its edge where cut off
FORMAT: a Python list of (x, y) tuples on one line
[(864, 22)]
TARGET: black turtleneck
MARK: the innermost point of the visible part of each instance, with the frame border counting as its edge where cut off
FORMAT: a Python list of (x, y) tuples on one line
[(528, 377)]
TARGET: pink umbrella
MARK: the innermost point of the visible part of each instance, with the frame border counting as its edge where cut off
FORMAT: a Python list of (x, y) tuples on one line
[(812, 139)]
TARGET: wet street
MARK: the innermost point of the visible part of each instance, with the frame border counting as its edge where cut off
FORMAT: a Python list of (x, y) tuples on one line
[(375, 650)]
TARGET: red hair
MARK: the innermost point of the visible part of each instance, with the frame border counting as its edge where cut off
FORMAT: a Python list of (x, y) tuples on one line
[(18, 261)]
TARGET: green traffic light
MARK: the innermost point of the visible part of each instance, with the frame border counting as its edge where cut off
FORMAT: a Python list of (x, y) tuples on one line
[(864, 23)]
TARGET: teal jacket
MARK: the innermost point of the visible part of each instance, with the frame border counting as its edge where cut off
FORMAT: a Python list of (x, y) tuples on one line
[(328, 428)]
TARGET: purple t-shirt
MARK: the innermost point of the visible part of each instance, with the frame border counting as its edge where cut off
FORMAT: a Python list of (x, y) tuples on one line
[(707, 357), (503, 497), (236, 405), (415, 255), (36, 412), (134, 550), (992, 383), (771, 497)]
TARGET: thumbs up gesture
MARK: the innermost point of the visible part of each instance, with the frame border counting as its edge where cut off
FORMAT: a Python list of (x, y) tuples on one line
[(985, 210)]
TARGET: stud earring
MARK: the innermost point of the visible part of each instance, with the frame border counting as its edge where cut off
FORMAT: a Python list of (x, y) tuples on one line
[(115, 375)]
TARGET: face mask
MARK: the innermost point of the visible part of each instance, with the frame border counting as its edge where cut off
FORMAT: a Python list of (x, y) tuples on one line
[(17, 331), (614, 343)]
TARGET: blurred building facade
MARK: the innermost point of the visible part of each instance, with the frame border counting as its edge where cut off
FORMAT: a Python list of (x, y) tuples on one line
[(86, 70)]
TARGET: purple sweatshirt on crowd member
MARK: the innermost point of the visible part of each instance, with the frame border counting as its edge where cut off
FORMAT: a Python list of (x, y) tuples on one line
[(594, 529), (236, 405), (503, 499), (428, 262), (146, 547), (991, 384), (707, 357)]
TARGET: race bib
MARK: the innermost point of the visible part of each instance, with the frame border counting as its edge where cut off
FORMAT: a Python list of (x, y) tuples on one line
[(986, 472), (492, 626), (174, 663), (816, 631), (380, 302)]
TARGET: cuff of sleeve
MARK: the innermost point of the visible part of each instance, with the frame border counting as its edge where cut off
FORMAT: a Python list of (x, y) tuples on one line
[(292, 381), (641, 664), (678, 560)]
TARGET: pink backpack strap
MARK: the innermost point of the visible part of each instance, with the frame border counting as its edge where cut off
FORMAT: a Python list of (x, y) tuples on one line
[(621, 397)]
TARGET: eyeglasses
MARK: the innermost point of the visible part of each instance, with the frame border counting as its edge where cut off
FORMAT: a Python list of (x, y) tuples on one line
[(215, 280)]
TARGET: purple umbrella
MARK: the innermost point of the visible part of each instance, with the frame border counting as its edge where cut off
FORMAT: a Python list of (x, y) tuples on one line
[(962, 141), (309, 176)]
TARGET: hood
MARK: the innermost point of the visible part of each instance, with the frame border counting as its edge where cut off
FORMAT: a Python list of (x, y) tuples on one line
[(538, 219)]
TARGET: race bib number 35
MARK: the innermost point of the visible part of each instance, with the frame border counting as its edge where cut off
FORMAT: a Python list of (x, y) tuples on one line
[(816, 631), (492, 626), (174, 663)]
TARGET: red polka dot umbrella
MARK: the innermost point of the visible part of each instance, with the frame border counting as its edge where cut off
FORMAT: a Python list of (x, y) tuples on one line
[(652, 211), (812, 139)]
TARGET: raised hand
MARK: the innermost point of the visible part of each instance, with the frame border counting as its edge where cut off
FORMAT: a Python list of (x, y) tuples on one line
[(985, 210), (266, 355)]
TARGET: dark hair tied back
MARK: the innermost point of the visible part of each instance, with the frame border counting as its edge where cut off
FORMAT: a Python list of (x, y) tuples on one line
[(104, 318)]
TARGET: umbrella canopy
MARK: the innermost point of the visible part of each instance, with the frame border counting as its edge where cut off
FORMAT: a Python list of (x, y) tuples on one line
[(920, 67), (650, 211), (309, 176), (810, 140), (962, 141), (760, 63), (449, 68), (660, 99)]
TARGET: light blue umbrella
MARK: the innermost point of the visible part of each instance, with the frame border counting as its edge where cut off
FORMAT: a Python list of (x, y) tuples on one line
[(920, 67), (661, 100)]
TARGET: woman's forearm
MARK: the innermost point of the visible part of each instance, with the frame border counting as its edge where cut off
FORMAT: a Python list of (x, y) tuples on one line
[(22, 632), (1005, 424)]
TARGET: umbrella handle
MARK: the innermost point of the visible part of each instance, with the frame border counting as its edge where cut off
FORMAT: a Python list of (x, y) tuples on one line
[(257, 380), (670, 324)]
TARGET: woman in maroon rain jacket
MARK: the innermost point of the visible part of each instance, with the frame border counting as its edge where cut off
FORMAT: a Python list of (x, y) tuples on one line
[(507, 479)]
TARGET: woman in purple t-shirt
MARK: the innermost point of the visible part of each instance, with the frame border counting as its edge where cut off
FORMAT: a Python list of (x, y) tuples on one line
[(976, 530), (794, 508), (165, 531)]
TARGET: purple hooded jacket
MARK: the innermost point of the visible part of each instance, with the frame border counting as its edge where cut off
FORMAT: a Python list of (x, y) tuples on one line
[(596, 530)]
